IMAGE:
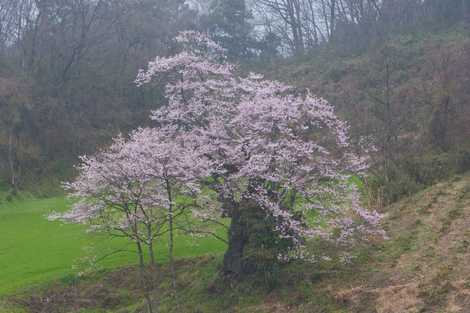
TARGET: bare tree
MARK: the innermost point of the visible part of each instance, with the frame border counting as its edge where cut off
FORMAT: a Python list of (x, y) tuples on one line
[(304, 23)]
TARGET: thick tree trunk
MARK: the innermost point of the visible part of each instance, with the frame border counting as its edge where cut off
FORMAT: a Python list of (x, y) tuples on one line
[(249, 234), (237, 240)]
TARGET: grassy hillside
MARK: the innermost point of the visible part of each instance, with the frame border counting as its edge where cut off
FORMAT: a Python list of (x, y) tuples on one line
[(428, 74), (35, 251), (423, 267)]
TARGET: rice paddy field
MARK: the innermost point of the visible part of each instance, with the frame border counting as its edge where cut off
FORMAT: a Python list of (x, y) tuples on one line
[(35, 251)]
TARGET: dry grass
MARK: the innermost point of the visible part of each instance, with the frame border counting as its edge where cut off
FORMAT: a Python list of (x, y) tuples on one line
[(426, 262)]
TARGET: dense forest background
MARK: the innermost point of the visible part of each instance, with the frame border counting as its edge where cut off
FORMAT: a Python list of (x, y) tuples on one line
[(397, 70)]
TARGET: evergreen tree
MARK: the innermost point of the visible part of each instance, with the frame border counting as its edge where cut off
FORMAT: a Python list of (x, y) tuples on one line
[(228, 22)]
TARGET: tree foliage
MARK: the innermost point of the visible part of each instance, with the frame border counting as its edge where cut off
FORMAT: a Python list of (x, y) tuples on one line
[(261, 149)]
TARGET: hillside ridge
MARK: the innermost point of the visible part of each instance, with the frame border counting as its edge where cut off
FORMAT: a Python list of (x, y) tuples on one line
[(424, 267)]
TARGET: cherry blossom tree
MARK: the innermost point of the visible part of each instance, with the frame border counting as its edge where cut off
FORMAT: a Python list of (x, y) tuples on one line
[(274, 150), (130, 189), (272, 154), (173, 166), (114, 195)]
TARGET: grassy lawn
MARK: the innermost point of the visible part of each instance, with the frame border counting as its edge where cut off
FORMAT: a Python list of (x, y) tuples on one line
[(34, 251)]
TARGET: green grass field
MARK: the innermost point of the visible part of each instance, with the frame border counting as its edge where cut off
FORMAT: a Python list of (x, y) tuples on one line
[(35, 251)]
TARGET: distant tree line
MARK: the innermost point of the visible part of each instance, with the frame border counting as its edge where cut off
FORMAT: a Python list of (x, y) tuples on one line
[(67, 66), (303, 25), (66, 72)]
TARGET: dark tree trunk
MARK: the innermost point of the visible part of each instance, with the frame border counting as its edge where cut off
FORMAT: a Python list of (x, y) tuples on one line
[(237, 240), (249, 234)]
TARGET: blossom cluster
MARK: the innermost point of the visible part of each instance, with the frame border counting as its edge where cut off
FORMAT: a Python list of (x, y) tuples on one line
[(253, 138)]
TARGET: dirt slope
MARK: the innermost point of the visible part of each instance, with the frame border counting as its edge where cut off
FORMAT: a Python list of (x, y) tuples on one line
[(425, 266)]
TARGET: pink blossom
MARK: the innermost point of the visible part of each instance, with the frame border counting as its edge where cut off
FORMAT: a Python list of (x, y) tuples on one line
[(257, 139), (268, 134)]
